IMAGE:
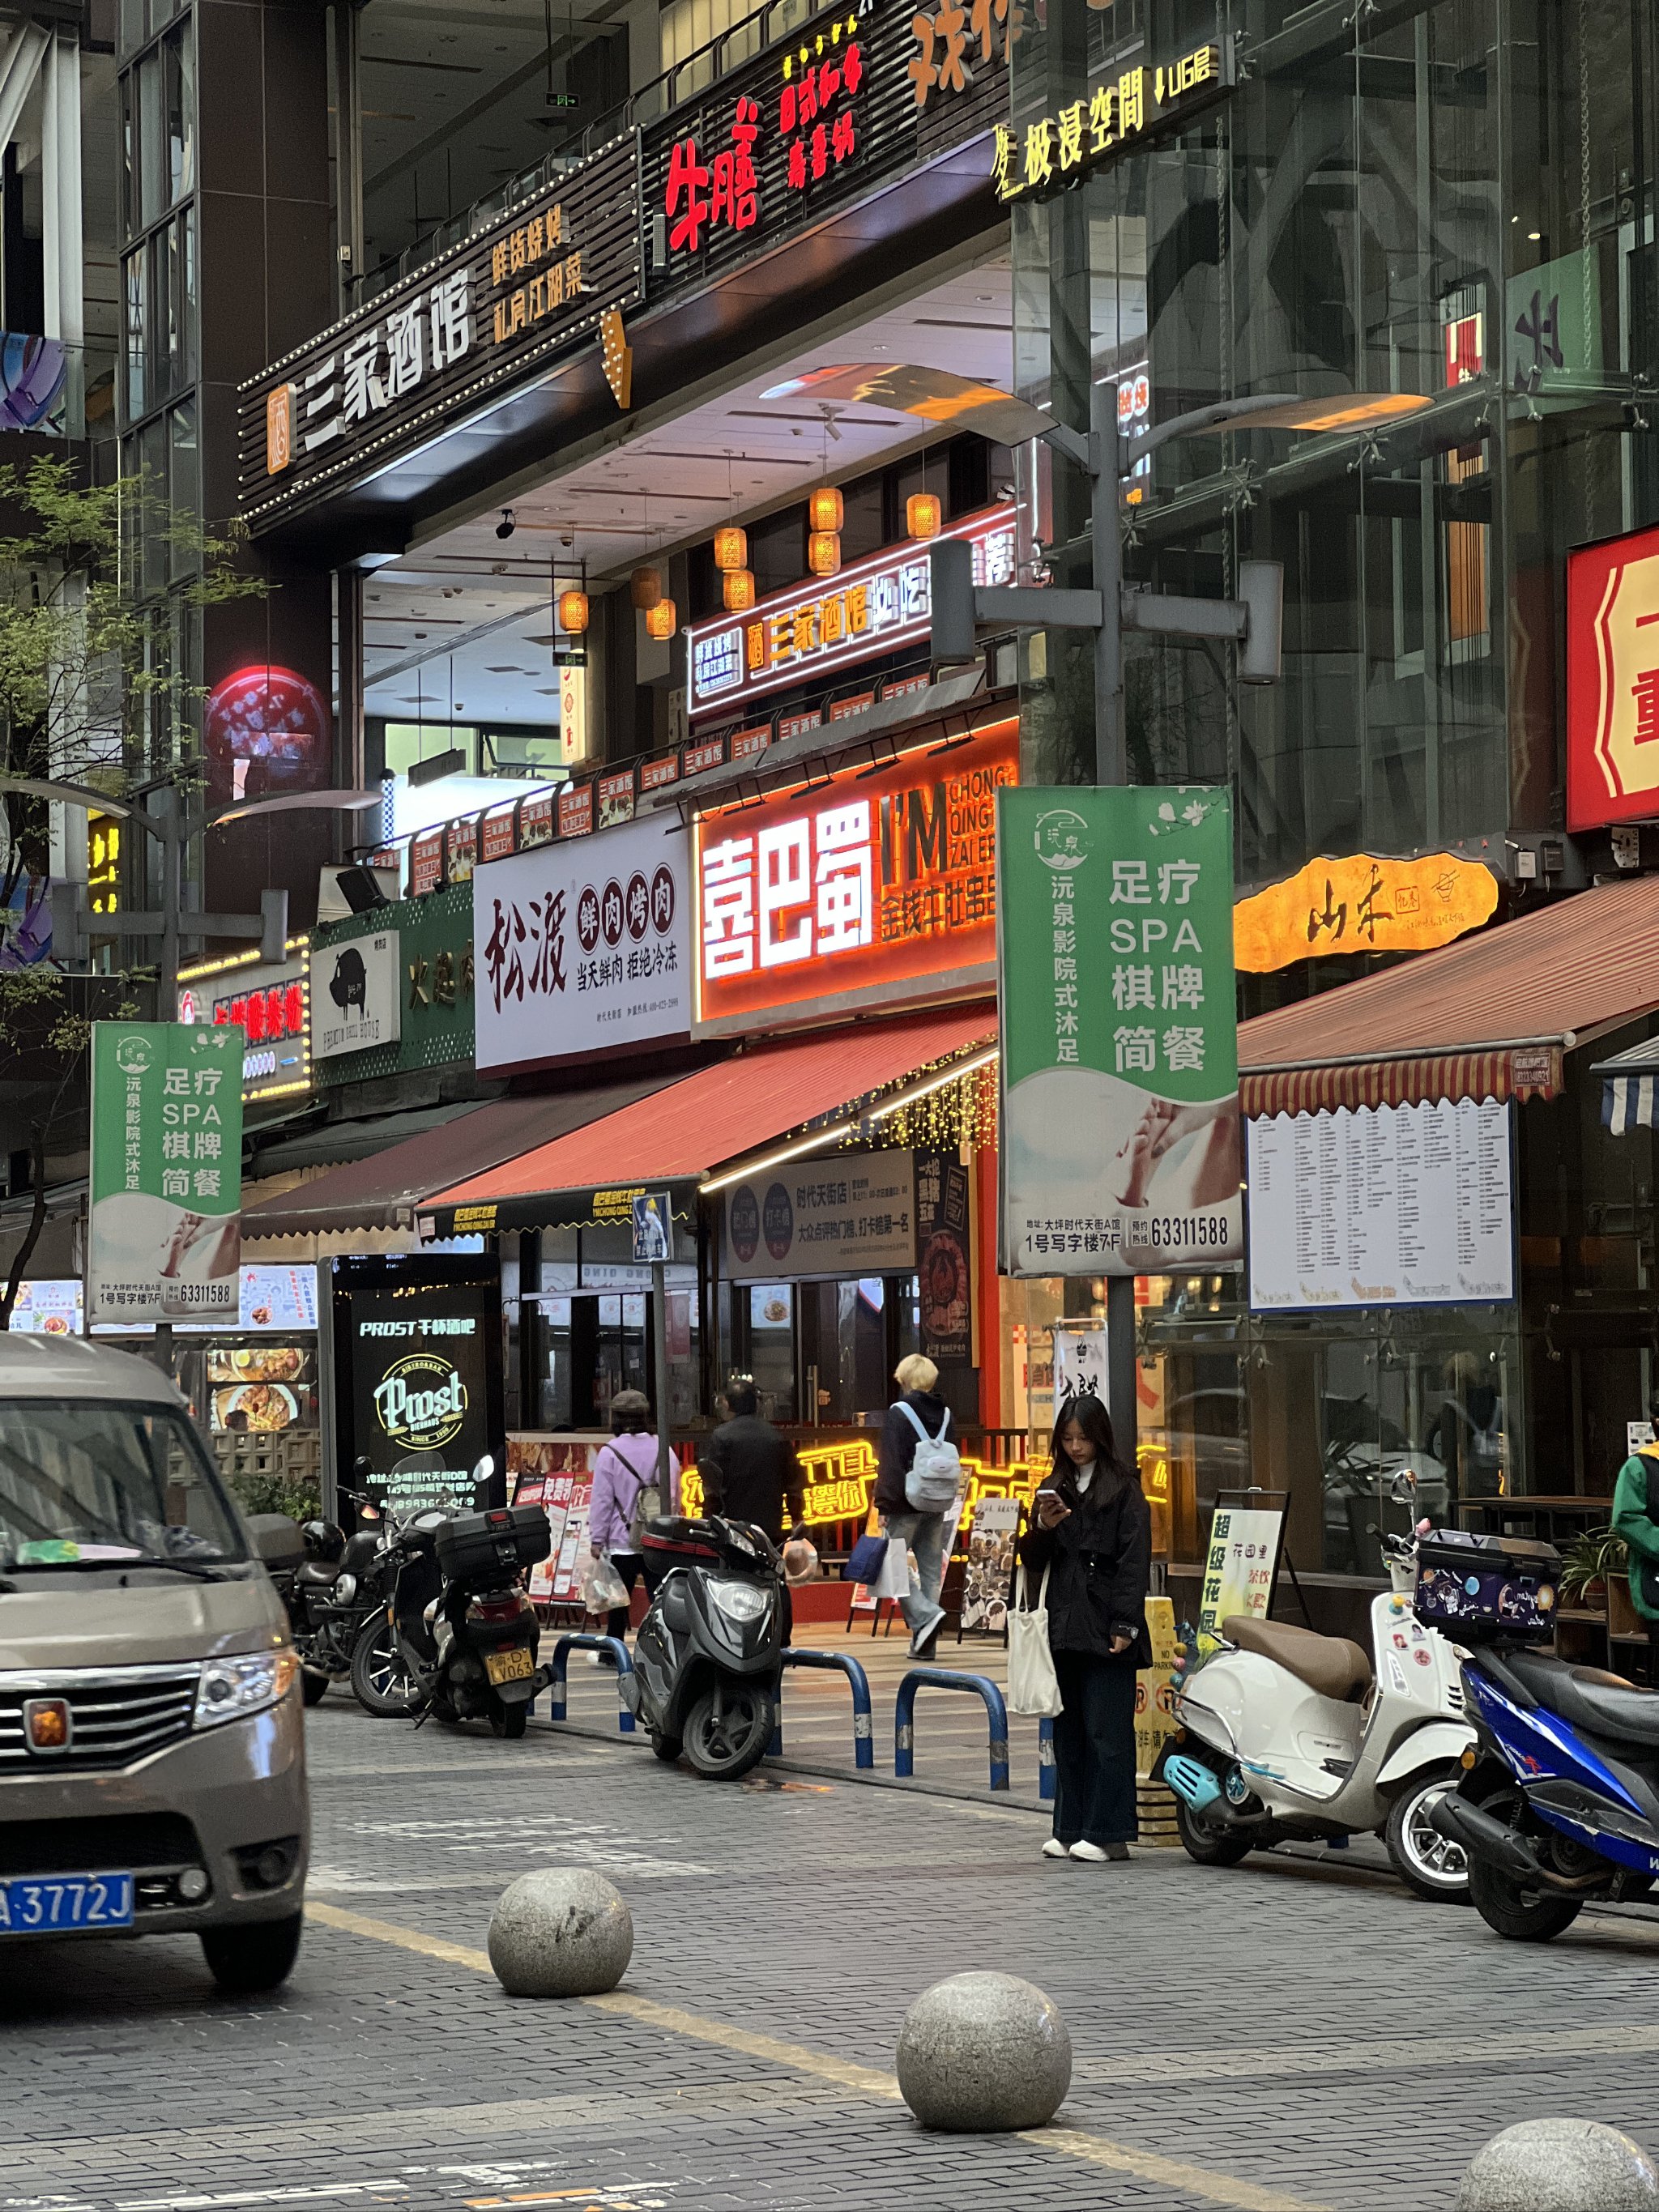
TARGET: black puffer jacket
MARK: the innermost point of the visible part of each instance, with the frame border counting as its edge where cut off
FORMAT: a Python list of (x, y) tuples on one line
[(1099, 1560), (898, 1447)]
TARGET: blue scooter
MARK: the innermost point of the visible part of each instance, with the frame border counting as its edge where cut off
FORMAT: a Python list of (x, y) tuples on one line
[(1559, 1807)]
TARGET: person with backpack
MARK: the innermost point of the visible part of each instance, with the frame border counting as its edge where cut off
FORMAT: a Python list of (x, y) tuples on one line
[(918, 1483), (626, 1496)]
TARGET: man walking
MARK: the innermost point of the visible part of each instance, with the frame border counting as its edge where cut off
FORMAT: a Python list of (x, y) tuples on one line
[(750, 1471)]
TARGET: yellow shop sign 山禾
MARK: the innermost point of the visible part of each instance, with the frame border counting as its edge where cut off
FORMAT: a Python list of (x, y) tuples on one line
[(1359, 903)]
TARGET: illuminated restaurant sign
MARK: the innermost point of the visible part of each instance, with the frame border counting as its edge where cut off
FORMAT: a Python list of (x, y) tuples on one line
[(1360, 904), (871, 608), (1115, 117), (865, 889), (1612, 681)]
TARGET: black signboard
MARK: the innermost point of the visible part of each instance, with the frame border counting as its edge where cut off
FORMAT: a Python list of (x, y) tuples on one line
[(513, 299), (417, 1375), (944, 1265)]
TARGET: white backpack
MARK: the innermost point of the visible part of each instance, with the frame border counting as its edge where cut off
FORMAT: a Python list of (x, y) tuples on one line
[(935, 1474)]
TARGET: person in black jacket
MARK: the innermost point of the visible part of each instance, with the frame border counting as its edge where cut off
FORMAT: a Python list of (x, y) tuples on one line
[(1092, 1531), (750, 1471), (925, 1533)]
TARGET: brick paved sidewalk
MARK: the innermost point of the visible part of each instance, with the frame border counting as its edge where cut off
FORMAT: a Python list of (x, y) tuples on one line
[(1277, 2037)]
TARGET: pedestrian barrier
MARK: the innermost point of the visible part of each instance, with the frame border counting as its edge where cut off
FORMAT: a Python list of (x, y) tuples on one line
[(556, 1709), (1047, 1778), (941, 1678), (838, 1662)]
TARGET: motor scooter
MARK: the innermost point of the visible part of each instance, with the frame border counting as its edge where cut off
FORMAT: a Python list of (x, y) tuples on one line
[(708, 1656), (1558, 1806), (1292, 1736)]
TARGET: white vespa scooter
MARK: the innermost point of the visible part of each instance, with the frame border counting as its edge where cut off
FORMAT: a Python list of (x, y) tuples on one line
[(1294, 1735)]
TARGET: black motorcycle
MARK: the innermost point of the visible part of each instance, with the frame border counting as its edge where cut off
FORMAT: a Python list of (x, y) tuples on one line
[(457, 1637), (335, 1589), (708, 1657)]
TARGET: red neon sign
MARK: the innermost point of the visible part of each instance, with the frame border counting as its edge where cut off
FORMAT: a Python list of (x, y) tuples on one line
[(865, 890), (1612, 681)]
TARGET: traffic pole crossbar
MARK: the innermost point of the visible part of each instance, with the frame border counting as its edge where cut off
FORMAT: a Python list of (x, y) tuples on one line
[(942, 1678), (836, 1662), (561, 1650)]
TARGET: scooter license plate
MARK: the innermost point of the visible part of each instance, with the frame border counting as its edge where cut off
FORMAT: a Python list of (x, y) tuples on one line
[(509, 1666)]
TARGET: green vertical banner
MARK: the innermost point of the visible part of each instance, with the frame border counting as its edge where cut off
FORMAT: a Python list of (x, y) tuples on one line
[(1119, 1040), (164, 1237)]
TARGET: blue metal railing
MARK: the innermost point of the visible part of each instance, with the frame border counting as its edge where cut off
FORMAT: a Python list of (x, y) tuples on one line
[(561, 1650), (837, 1662), (940, 1678)]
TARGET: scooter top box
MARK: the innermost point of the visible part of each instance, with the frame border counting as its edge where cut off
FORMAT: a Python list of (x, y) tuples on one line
[(1487, 1586), (508, 1537)]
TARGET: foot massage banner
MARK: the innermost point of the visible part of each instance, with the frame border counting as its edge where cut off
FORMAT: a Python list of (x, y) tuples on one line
[(165, 1241), (1121, 1147)]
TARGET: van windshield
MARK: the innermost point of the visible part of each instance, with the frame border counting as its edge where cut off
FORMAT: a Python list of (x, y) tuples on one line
[(91, 1483)]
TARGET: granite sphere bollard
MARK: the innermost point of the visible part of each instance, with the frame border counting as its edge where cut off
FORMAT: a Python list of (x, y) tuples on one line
[(561, 1932), (984, 2053), (1559, 2165)]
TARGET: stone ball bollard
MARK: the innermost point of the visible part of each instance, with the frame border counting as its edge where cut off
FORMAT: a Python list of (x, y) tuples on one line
[(560, 1932), (984, 2053), (1559, 2165)]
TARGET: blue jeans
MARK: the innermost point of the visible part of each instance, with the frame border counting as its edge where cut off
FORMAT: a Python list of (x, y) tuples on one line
[(1095, 1749), (925, 1535)]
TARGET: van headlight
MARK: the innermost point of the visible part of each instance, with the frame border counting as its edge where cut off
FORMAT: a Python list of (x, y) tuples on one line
[(231, 1689), (739, 1601)]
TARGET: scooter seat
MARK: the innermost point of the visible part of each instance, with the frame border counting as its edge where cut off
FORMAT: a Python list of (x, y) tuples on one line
[(1589, 1698), (1330, 1665)]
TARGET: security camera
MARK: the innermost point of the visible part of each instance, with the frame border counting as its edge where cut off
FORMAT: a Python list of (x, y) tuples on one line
[(506, 526)]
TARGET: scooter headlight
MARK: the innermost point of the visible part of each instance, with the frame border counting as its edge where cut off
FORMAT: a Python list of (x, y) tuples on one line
[(738, 1601)]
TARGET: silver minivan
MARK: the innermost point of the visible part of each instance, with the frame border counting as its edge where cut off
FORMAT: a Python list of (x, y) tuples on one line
[(152, 1757)]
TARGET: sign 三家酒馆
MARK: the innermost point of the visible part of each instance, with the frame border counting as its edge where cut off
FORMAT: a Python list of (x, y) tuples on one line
[(164, 1238), (852, 1213), (1112, 118), (1120, 1043), (869, 609), (869, 888), (1360, 904), (585, 946), (1612, 681)]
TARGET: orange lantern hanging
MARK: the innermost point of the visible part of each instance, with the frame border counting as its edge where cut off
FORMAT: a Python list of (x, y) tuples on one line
[(923, 513), (572, 612), (739, 590), (660, 621), (825, 512), (823, 552), (731, 549), (645, 589)]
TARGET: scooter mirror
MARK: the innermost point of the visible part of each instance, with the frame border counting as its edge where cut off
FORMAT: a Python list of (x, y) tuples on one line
[(485, 1467), (1403, 1489)]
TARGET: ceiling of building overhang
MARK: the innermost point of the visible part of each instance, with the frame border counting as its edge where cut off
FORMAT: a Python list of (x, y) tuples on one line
[(463, 620)]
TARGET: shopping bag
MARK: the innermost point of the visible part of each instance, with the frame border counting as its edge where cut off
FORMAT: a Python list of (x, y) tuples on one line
[(869, 1555), (894, 1580), (604, 1589), (1033, 1686)]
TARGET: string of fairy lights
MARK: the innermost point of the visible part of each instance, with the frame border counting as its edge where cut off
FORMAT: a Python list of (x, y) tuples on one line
[(957, 1111)]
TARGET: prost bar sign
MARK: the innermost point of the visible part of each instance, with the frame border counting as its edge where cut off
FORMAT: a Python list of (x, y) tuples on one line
[(1115, 117)]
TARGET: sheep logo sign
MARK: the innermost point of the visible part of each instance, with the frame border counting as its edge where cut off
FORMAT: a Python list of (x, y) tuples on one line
[(355, 1000)]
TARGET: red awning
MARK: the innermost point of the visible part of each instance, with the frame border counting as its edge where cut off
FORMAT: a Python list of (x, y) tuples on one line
[(681, 1132)]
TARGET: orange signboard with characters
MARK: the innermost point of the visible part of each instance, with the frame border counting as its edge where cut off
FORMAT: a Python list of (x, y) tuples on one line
[(1361, 904), (1612, 681), (859, 889)]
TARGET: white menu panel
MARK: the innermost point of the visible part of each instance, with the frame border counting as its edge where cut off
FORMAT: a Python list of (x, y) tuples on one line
[(1382, 1206)]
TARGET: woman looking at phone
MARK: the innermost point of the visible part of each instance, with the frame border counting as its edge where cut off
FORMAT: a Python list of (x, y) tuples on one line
[(1091, 1530)]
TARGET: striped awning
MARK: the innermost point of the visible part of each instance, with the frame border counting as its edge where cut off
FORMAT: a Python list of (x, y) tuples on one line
[(1630, 1088), (1510, 1072)]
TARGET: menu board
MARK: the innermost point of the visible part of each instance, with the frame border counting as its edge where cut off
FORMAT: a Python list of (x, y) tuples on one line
[(261, 1389), (279, 1299), (48, 1307), (1382, 1206), (555, 1473)]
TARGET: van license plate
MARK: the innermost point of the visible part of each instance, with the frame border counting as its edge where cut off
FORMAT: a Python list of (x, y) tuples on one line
[(37, 1905), (509, 1666)]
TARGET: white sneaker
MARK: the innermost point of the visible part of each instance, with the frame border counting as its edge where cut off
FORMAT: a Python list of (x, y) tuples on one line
[(1092, 1852), (1053, 1848), (924, 1638)]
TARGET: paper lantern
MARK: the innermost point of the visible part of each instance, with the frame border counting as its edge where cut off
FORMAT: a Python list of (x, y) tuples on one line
[(660, 621), (739, 590), (825, 512), (823, 552), (572, 612), (731, 548), (645, 589), (923, 514)]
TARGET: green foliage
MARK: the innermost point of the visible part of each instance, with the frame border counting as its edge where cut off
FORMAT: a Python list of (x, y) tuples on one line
[(1596, 1556), (298, 1496)]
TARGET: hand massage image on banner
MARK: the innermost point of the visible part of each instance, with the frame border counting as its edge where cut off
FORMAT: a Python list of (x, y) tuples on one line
[(1120, 1046), (165, 1243)]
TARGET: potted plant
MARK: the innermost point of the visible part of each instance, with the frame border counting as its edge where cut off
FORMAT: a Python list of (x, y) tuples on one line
[(1594, 1560)]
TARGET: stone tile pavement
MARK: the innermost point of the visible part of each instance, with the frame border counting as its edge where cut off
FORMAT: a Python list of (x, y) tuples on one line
[(1282, 2035)]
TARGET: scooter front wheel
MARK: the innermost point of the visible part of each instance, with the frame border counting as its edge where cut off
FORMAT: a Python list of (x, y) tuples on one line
[(381, 1679), (509, 1722), (313, 1688), (1208, 1841), (667, 1747), (728, 1730), (1428, 1864)]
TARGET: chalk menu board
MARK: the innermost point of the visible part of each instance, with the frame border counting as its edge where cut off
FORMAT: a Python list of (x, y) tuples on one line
[(1382, 1206)]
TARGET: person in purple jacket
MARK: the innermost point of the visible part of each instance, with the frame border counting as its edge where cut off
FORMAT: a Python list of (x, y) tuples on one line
[(622, 1469)]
